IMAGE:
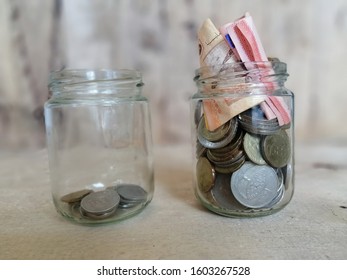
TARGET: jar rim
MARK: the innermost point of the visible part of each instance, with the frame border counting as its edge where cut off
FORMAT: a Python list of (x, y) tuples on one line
[(240, 68), (67, 76)]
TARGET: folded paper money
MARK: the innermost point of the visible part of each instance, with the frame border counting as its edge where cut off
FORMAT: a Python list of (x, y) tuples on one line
[(236, 42)]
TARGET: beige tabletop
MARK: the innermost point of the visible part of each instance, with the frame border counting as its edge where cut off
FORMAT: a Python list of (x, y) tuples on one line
[(174, 225)]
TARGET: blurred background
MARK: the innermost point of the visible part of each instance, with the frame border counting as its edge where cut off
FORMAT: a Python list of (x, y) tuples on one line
[(159, 38)]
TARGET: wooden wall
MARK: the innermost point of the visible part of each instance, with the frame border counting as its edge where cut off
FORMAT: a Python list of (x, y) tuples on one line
[(158, 37)]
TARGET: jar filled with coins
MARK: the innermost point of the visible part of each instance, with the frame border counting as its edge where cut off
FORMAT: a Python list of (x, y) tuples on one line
[(99, 144), (243, 132)]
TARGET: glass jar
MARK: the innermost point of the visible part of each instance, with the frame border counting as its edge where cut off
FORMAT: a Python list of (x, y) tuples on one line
[(243, 138), (99, 144)]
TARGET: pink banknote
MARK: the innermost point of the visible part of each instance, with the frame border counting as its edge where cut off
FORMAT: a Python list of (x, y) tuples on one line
[(246, 45)]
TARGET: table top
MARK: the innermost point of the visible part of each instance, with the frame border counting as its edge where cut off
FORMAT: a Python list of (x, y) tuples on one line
[(174, 225)]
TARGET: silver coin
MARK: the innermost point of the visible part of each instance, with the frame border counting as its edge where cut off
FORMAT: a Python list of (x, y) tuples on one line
[(259, 129), (98, 216), (255, 187), (131, 193), (101, 202), (255, 122)]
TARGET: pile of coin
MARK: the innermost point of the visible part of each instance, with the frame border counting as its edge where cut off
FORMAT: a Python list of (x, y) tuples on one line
[(98, 205), (253, 121), (239, 165), (130, 195)]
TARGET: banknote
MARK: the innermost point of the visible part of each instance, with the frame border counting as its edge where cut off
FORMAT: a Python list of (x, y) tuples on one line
[(246, 44), (214, 50)]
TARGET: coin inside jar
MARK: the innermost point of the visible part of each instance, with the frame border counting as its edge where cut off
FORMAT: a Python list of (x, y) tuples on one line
[(222, 195), (255, 122), (251, 145), (101, 203), (214, 135), (276, 149), (131, 193), (255, 186), (75, 196), (205, 174), (228, 137)]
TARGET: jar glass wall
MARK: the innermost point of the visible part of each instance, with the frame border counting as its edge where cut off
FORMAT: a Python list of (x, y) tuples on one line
[(99, 145), (243, 138)]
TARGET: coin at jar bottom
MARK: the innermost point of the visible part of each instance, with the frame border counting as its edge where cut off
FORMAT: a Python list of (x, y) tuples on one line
[(130, 195), (205, 174), (222, 194), (131, 192), (98, 216), (100, 204), (278, 198), (255, 186), (75, 196)]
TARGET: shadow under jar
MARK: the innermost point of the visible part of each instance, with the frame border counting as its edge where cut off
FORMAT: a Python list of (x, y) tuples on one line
[(243, 138), (99, 145)]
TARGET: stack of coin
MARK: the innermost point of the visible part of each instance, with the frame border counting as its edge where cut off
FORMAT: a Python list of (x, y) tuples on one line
[(130, 195), (229, 158), (98, 205), (239, 165), (255, 122), (218, 151), (218, 138)]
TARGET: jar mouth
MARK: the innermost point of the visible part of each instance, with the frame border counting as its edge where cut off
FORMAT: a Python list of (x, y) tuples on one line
[(74, 79), (230, 71), (231, 77)]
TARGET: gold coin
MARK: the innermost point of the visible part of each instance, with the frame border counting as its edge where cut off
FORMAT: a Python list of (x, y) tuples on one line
[(214, 135), (251, 145), (276, 149), (205, 174), (75, 196)]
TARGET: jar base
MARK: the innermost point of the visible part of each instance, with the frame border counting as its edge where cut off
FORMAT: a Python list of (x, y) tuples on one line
[(240, 213), (72, 212)]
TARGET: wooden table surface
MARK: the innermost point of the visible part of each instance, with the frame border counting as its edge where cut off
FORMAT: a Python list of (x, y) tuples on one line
[(174, 225)]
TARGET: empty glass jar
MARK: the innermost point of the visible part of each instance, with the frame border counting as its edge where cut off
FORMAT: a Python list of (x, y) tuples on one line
[(99, 145), (243, 138)]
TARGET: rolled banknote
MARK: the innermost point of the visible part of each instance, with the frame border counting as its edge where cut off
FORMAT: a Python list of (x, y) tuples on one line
[(248, 47), (214, 50)]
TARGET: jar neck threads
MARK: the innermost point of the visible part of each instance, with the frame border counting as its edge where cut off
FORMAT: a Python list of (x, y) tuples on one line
[(84, 82), (240, 78)]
